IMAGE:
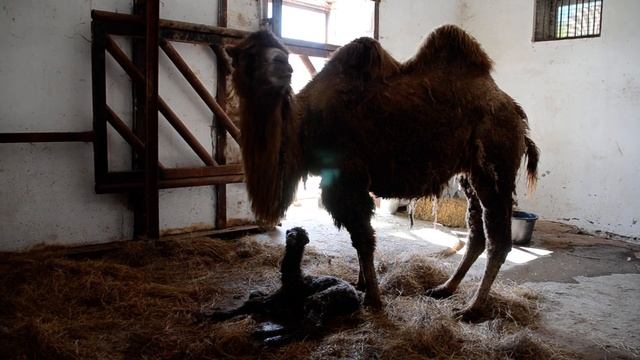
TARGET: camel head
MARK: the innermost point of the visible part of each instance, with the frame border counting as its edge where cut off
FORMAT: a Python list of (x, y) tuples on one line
[(297, 237), (261, 65), (270, 151)]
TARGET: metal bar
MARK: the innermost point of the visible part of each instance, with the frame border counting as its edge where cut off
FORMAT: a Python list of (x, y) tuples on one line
[(545, 25), (151, 173), (593, 12), (308, 64), (559, 20), (182, 173), (581, 18), (276, 15), (35, 137), (589, 14), (599, 19), (171, 116), (99, 101), (200, 88), (575, 20)]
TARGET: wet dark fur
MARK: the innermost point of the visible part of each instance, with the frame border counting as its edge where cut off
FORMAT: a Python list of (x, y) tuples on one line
[(303, 303), (367, 123)]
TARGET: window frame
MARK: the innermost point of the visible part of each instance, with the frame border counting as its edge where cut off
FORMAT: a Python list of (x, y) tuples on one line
[(547, 25)]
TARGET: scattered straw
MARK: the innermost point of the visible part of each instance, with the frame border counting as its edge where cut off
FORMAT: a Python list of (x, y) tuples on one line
[(143, 301)]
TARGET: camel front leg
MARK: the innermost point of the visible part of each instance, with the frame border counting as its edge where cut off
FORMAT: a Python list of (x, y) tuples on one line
[(347, 199), (361, 284), (363, 240)]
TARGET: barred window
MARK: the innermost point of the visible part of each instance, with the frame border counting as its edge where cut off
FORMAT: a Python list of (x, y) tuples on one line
[(567, 19)]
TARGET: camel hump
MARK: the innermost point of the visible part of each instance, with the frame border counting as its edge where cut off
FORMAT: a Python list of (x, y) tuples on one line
[(364, 59), (450, 44)]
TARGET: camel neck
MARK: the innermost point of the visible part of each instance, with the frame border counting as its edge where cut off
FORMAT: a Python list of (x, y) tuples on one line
[(271, 154), (290, 269)]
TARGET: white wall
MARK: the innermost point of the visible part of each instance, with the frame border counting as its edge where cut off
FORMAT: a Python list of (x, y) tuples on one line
[(45, 69), (582, 97), (405, 24)]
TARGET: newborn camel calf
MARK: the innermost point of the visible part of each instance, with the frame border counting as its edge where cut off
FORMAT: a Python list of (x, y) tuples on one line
[(303, 304)]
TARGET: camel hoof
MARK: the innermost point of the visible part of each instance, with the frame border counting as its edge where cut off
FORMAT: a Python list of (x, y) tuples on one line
[(469, 315), (373, 303), (439, 292)]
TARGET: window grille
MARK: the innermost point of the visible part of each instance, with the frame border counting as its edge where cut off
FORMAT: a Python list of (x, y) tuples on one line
[(567, 19)]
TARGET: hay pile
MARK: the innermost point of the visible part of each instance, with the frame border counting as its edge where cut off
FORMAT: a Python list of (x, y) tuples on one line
[(144, 301), (450, 211)]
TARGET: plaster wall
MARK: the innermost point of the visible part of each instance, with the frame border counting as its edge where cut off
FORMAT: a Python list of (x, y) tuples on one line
[(582, 97), (48, 195), (405, 24)]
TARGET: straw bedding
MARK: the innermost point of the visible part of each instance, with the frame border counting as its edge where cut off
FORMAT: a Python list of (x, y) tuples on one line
[(144, 300)]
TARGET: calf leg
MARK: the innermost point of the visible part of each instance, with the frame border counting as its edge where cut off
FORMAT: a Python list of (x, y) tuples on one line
[(475, 244), (256, 304)]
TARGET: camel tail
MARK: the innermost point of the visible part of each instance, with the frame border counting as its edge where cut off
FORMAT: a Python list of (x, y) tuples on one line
[(532, 152), (533, 155)]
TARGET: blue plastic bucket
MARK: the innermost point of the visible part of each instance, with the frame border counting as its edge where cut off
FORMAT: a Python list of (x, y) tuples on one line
[(522, 224)]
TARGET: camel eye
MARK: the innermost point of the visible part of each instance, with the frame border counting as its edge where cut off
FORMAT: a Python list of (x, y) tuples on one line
[(280, 59)]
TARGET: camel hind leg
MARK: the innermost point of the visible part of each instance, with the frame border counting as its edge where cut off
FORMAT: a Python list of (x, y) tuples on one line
[(495, 193), (475, 243)]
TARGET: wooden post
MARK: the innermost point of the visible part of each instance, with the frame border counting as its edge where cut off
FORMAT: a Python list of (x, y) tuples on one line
[(151, 171), (98, 81), (138, 123), (221, 133)]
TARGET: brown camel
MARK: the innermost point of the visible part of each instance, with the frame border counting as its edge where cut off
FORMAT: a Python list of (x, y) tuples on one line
[(367, 123)]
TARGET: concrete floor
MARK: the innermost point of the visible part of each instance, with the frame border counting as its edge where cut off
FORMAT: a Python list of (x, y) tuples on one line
[(590, 285)]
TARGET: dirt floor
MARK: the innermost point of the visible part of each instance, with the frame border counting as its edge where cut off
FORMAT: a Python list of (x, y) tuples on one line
[(566, 295), (589, 286)]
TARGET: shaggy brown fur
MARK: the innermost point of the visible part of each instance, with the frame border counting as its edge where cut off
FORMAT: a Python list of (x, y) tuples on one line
[(366, 123)]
